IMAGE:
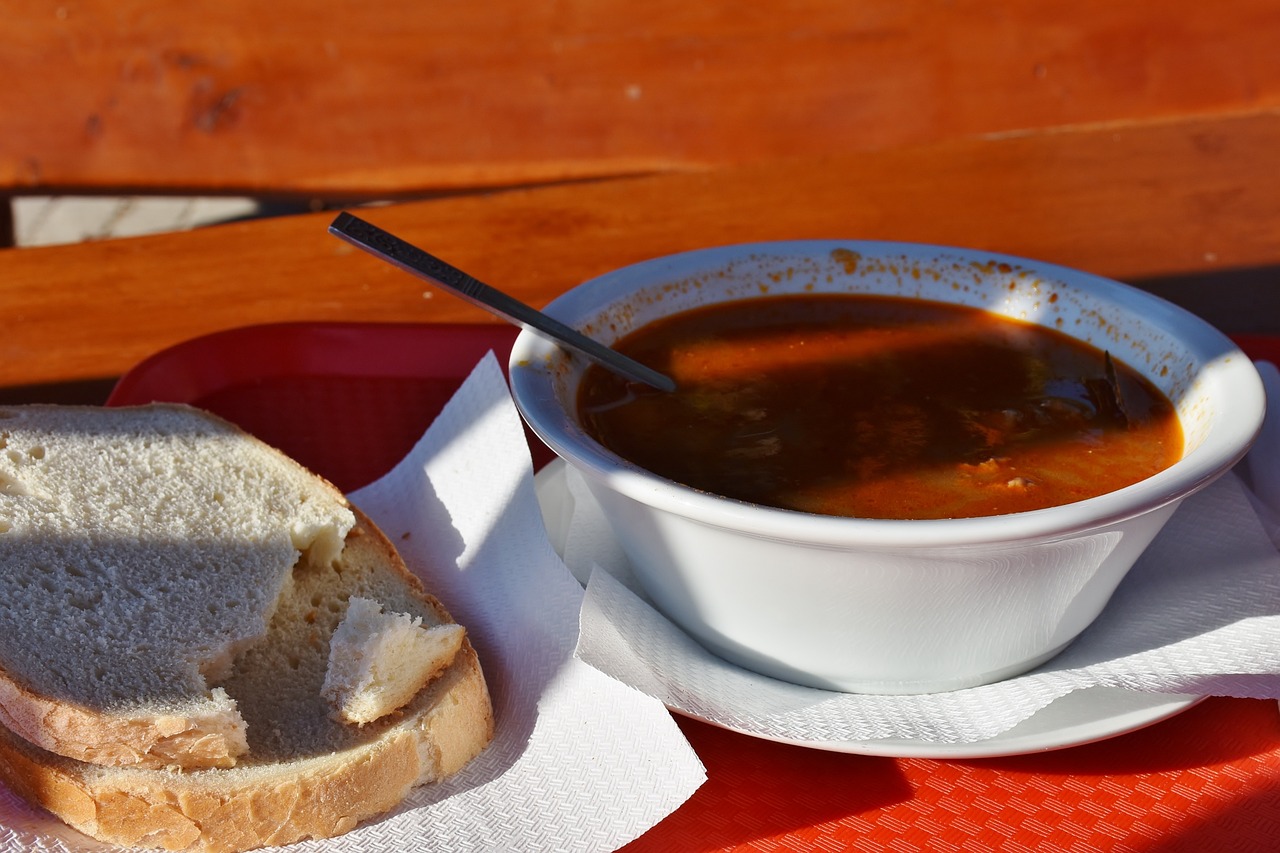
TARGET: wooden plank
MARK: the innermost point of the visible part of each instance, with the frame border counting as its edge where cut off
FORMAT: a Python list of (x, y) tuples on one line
[(1184, 197), (346, 98)]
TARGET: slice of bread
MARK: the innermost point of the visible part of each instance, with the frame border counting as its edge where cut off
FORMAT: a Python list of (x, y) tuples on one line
[(141, 550), (379, 660), (305, 774)]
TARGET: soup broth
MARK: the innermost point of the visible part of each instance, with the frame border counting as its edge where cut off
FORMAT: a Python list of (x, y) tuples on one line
[(880, 407)]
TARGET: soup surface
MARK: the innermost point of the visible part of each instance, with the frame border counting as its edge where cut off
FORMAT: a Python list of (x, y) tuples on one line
[(880, 407)]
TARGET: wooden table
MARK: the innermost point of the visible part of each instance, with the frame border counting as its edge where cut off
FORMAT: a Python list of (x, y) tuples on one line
[(1189, 207), (337, 98)]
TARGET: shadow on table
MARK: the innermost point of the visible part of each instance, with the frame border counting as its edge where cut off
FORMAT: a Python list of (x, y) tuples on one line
[(1250, 823), (1238, 301), (1205, 780), (1216, 732)]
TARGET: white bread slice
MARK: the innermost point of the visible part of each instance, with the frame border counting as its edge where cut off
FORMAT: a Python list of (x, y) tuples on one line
[(306, 775), (379, 660), (141, 550)]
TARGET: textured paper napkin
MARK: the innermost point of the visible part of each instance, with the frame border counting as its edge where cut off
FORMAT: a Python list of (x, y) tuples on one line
[(1198, 614), (579, 761)]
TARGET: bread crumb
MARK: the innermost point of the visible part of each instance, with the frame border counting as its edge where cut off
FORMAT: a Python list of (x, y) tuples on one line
[(379, 661)]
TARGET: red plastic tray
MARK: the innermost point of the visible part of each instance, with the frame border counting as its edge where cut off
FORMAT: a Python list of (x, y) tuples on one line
[(349, 400)]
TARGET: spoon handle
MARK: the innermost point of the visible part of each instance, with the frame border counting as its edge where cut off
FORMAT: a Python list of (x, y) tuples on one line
[(411, 259)]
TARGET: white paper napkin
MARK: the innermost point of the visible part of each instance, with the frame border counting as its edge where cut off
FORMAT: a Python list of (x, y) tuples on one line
[(579, 761), (1198, 614)]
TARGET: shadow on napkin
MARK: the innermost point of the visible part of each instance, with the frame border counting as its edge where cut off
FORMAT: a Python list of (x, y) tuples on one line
[(576, 757), (422, 527)]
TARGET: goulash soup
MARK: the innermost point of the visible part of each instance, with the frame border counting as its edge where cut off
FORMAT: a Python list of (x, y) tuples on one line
[(880, 407)]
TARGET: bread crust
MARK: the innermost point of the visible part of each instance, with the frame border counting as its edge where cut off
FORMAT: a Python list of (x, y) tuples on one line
[(281, 802), (210, 739)]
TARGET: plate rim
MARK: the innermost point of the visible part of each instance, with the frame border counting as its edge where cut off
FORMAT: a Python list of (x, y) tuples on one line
[(1152, 708)]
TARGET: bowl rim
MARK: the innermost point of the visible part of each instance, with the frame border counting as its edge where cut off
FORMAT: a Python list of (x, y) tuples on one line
[(1228, 439)]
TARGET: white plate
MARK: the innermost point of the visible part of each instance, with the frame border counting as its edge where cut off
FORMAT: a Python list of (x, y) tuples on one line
[(1081, 717), (1084, 716)]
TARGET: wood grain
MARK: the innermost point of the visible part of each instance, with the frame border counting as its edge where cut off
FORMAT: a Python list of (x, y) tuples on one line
[(344, 98), (1188, 198)]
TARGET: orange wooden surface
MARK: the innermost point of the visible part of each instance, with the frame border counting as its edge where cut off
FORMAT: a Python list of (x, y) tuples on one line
[(334, 97), (1190, 196)]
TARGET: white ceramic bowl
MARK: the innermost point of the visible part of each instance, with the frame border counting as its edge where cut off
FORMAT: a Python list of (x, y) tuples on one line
[(890, 606)]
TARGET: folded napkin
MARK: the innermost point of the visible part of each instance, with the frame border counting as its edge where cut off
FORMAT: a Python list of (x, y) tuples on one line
[(1198, 614), (579, 761)]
